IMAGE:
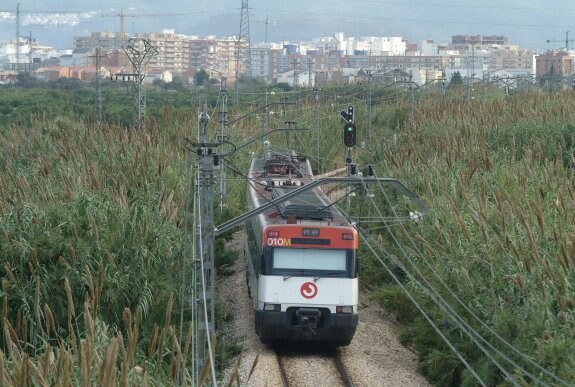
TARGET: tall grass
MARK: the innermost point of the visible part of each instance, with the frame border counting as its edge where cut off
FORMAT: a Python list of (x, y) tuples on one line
[(498, 175), (91, 227)]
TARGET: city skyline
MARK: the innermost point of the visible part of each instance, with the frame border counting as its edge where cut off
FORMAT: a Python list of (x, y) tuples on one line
[(531, 24)]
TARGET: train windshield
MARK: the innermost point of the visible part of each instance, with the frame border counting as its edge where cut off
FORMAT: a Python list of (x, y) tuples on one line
[(310, 261)]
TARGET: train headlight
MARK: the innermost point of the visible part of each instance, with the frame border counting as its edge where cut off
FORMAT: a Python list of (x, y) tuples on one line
[(344, 309), (272, 307)]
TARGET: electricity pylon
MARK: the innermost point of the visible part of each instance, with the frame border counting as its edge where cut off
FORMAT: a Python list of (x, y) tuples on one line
[(243, 55), (139, 59)]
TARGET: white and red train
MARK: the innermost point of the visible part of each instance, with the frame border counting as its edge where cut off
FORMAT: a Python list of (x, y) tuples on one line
[(302, 257)]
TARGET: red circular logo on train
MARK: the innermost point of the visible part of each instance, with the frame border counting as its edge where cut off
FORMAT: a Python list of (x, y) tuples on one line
[(308, 290)]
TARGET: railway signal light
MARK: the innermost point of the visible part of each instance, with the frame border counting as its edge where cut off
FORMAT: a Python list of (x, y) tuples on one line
[(353, 169), (349, 134), (347, 115), (370, 171)]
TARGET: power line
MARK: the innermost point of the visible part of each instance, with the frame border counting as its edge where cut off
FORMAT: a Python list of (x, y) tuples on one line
[(459, 301), (465, 22), (464, 326), (426, 316)]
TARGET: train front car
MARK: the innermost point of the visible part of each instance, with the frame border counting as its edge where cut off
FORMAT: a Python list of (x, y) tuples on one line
[(308, 287), (302, 260)]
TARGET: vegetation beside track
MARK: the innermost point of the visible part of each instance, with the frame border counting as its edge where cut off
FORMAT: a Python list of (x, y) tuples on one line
[(92, 223)]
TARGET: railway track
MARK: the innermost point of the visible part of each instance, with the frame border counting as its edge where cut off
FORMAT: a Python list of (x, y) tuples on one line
[(312, 367)]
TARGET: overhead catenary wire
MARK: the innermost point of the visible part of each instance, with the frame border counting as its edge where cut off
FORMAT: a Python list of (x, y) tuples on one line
[(425, 315), (474, 315), (458, 319), (482, 322), (443, 305), (194, 296), (303, 113)]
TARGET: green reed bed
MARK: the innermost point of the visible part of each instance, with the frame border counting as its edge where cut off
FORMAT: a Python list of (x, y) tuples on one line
[(498, 176), (91, 225)]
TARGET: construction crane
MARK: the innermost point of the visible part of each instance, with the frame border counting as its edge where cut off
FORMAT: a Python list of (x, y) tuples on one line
[(18, 19), (123, 15), (567, 40), (267, 22)]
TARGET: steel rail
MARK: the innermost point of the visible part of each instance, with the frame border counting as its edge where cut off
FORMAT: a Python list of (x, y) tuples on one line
[(335, 356)]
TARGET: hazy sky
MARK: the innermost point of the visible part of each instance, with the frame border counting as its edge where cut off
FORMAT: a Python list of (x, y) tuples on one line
[(529, 23)]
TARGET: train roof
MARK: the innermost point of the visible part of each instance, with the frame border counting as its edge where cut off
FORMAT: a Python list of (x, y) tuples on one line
[(278, 172)]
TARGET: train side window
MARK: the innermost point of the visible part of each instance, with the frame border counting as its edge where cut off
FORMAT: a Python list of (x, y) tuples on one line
[(253, 247), (266, 260), (352, 263)]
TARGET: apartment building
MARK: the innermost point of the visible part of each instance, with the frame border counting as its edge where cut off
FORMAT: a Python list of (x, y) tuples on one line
[(322, 56), (226, 56), (104, 40), (214, 54), (204, 52), (173, 50), (511, 60), (466, 42), (279, 62), (260, 62), (554, 63)]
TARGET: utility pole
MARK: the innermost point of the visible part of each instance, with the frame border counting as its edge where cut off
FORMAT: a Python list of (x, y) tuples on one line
[(265, 115), (295, 74), (139, 59), (266, 29), (309, 68), (98, 98), (368, 135), (30, 54), (205, 285), (411, 101), (223, 138), (17, 37), (317, 130)]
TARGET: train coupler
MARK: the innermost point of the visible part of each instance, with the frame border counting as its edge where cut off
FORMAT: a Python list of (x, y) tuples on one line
[(308, 319)]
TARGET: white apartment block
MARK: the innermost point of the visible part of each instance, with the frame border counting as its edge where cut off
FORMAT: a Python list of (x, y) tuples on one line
[(471, 55), (512, 60), (380, 45), (428, 47)]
